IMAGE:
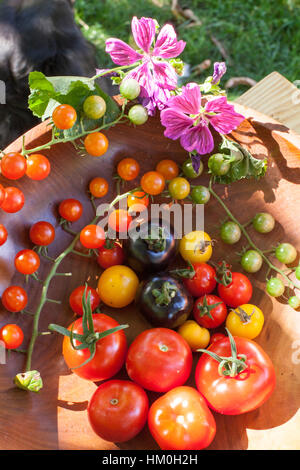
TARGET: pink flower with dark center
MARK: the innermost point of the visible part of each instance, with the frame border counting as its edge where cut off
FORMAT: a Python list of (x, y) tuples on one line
[(154, 73), (186, 119)]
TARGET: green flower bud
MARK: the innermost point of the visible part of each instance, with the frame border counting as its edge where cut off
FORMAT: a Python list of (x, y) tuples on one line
[(31, 381)]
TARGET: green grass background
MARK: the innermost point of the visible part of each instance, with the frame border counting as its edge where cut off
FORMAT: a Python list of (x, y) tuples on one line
[(260, 36)]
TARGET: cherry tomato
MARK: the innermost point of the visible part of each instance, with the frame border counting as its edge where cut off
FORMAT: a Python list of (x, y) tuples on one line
[(38, 167), (42, 233), (98, 187), (238, 292), (275, 287), (118, 410), (117, 286), (96, 144), (94, 107), (230, 232), (110, 350), (12, 336), (189, 171), (245, 321), (14, 299), (3, 234), (27, 261), (138, 201), (203, 282), (138, 114), (13, 166), (64, 116), (251, 261), (196, 336), (70, 210), (216, 337), (294, 302), (218, 164), (179, 188), (153, 183), (110, 254), (168, 168), (200, 194), (130, 88), (2, 194), (128, 169), (196, 247), (286, 253), (181, 420), (210, 311), (75, 299), (159, 359), (263, 222), (92, 236), (119, 220), (14, 200)]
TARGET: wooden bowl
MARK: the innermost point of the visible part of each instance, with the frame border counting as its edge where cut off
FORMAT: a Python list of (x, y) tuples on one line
[(56, 418)]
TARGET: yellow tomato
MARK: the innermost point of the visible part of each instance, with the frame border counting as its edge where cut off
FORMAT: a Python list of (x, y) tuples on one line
[(117, 286), (196, 247), (245, 321), (196, 336)]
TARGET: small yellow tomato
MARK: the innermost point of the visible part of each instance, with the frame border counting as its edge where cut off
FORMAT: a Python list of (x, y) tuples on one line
[(196, 336), (196, 247), (94, 107), (179, 188), (117, 286), (245, 321)]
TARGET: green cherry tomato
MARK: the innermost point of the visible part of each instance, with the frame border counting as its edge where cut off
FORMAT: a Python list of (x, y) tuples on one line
[(275, 287), (94, 107), (294, 302), (188, 170), (200, 195), (138, 114), (218, 165), (251, 261), (230, 232), (297, 272), (263, 222), (130, 88), (179, 188), (286, 253)]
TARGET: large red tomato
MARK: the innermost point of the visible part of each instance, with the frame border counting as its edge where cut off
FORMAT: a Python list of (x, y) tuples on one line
[(159, 359), (181, 420), (243, 391)]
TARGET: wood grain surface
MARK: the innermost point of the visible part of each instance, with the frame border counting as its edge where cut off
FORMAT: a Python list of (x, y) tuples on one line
[(56, 418)]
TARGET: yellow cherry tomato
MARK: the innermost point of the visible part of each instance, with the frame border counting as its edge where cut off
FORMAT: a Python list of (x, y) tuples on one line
[(196, 247), (117, 286), (245, 321), (196, 336), (179, 188)]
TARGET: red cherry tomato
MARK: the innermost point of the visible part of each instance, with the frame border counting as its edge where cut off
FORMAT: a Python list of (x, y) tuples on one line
[(12, 336), (159, 359), (13, 166), (92, 236), (42, 233), (119, 220), (207, 315), (70, 210), (2, 194), (238, 292), (110, 255), (3, 234), (14, 200), (27, 262), (38, 167), (118, 410), (203, 282), (98, 187), (110, 350), (181, 420), (64, 116), (75, 299), (14, 299)]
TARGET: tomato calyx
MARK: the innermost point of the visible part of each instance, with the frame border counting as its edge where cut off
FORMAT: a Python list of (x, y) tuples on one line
[(205, 309), (203, 245), (229, 366), (186, 273), (164, 295), (30, 381), (243, 315), (223, 274), (156, 240)]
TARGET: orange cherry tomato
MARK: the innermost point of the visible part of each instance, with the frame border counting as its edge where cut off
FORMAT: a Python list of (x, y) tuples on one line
[(64, 116), (168, 168), (92, 236), (96, 144), (138, 201), (128, 169), (38, 167), (14, 299), (27, 262), (98, 187), (12, 336), (14, 200), (153, 183), (13, 166)]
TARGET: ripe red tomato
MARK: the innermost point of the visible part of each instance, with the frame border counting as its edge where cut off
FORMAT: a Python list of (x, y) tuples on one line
[(64, 116), (153, 183), (243, 392), (14, 299), (27, 262), (75, 299), (159, 359), (203, 282), (207, 315), (110, 255), (70, 210), (13, 166), (238, 292), (128, 169), (38, 167), (92, 236), (119, 220), (110, 350), (118, 410), (14, 200), (2, 194), (42, 233), (181, 420), (216, 337), (3, 234), (12, 336), (96, 144)]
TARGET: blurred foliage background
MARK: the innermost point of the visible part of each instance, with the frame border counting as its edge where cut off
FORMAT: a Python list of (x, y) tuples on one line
[(254, 37)]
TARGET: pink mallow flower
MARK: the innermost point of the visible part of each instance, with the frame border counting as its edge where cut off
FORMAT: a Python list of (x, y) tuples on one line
[(186, 118), (154, 73)]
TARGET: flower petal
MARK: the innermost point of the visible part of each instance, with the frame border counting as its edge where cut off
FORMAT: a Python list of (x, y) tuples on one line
[(226, 119), (157, 101), (219, 71), (164, 75), (143, 75), (175, 122), (143, 31), (198, 138), (166, 45), (120, 52), (189, 101)]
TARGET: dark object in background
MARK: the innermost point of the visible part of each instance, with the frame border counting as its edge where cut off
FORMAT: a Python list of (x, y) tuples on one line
[(36, 35)]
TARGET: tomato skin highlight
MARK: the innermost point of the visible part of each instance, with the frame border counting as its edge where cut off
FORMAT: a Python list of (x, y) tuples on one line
[(42, 233), (14, 200), (14, 299), (238, 292), (13, 166), (118, 410), (75, 299), (245, 392), (181, 420)]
